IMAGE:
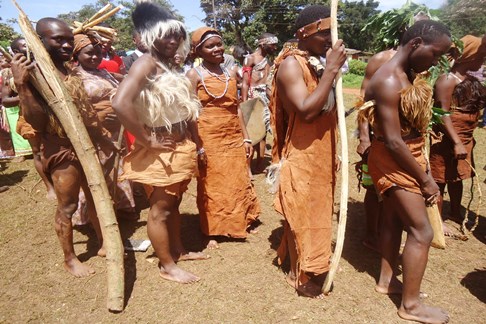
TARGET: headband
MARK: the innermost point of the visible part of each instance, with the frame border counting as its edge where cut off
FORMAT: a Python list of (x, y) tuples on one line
[(205, 38), (201, 35), (312, 28), (268, 41)]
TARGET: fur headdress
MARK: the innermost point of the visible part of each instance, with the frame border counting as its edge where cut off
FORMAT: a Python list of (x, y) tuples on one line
[(154, 22)]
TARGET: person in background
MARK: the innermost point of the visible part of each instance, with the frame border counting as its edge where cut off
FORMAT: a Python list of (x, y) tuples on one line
[(140, 49), (452, 143)]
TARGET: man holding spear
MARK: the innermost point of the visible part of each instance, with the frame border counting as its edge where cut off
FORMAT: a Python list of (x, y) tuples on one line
[(303, 90), (58, 156)]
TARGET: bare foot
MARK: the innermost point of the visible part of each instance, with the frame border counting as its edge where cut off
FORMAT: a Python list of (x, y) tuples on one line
[(191, 256), (18, 159), (391, 287), (450, 233), (394, 288), (253, 227), (78, 269), (4, 188), (290, 279), (310, 289), (178, 275), (424, 314), (212, 244)]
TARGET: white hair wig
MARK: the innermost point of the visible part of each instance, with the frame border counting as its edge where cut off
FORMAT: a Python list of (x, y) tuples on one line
[(162, 29), (154, 22)]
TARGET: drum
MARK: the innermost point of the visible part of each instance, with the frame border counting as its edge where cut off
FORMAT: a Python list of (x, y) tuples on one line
[(252, 111)]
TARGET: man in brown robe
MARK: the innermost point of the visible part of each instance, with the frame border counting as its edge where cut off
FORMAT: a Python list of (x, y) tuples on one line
[(57, 154), (304, 90)]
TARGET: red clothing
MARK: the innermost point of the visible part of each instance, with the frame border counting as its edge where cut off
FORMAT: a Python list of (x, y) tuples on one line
[(112, 65)]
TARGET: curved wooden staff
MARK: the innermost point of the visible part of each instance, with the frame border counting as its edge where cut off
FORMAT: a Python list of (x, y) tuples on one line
[(47, 81), (343, 213)]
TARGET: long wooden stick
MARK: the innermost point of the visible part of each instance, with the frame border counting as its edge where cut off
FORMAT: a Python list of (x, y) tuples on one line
[(117, 161), (59, 100), (343, 212)]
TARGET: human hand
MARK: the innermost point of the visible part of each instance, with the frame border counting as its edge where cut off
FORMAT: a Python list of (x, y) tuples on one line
[(248, 150), (363, 147), (430, 190), (336, 56), (460, 152), (162, 143), (21, 67)]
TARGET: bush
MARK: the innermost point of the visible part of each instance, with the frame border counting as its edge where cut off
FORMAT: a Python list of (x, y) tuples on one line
[(357, 67), (351, 80)]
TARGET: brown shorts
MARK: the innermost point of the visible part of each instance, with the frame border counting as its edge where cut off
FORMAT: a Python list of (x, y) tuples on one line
[(55, 152)]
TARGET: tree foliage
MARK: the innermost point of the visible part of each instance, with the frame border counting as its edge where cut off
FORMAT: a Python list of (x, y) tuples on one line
[(244, 20), (352, 18), (464, 17), (387, 27), (122, 21), (357, 67), (7, 33)]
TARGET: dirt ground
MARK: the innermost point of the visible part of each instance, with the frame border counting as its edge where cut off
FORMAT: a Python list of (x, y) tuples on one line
[(240, 282)]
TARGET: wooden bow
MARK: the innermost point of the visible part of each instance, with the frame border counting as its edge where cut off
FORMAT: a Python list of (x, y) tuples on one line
[(345, 161)]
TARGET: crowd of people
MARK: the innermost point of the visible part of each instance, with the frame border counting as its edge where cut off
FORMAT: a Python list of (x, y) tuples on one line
[(171, 109)]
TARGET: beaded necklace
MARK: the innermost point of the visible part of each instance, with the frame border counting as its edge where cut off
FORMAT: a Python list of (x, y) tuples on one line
[(226, 81)]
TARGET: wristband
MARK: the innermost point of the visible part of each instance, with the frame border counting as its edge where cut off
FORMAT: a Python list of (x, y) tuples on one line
[(247, 140)]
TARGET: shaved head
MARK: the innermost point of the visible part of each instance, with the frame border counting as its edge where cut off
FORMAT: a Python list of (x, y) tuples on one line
[(48, 23)]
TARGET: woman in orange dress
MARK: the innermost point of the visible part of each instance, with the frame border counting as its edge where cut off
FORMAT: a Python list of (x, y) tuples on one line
[(226, 199)]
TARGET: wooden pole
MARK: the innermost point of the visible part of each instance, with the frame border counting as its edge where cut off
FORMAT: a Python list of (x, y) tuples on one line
[(343, 206), (59, 100)]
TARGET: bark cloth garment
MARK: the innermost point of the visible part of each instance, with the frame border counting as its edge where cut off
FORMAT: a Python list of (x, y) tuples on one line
[(56, 148), (468, 98), (305, 195), (415, 113), (226, 199), (100, 86), (164, 106)]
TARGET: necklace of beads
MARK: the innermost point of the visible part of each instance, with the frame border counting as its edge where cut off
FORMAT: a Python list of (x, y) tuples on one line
[(226, 81)]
